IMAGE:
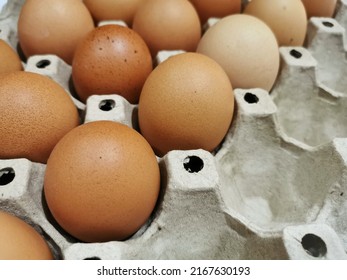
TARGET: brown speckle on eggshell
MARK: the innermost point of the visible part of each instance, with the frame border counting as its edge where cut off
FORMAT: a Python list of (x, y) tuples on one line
[(112, 59)]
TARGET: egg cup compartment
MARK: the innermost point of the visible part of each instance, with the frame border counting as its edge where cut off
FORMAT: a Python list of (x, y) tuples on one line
[(326, 43), (307, 110)]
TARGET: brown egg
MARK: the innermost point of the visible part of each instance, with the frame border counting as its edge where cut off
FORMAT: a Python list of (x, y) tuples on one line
[(53, 27), (320, 8), (186, 103), (10, 60), (20, 241), (216, 8), (102, 181), (35, 113), (286, 18), (112, 59), (113, 9), (249, 54), (168, 25)]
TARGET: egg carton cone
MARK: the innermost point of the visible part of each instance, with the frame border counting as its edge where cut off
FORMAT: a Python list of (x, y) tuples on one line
[(265, 193)]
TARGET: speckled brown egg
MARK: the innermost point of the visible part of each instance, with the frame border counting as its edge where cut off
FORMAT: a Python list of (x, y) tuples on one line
[(10, 60), (186, 103), (102, 181), (53, 27), (216, 8), (112, 59), (113, 9), (20, 241), (320, 8), (168, 25), (249, 54), (35, 113), (286, 18)]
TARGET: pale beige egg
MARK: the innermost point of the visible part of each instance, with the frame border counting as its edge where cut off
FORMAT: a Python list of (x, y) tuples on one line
[(249, 54)]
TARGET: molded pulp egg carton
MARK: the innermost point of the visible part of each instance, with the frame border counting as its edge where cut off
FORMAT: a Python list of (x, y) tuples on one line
[(276, 188)]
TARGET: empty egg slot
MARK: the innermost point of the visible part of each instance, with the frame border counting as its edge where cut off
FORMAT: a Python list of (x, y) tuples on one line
[(267, 184), (307, 110), (330, 55)]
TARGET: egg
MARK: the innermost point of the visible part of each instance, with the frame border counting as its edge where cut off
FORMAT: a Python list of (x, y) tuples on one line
[(10, 60), (53, 27), (286, 18), (320, 8), (187, 102), (35, 113), (112, 59), (216, 8), (20, 241), (102, 182), (168, 25), (249, 54), (113, 9)]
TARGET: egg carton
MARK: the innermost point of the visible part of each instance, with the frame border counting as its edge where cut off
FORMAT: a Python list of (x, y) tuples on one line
[(265, 193)]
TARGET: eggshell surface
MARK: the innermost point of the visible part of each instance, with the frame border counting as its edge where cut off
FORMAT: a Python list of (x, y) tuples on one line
[(35, 112), (102, 181), (286, 18), (249, 54), (20, 241), (168, 25), (217, 8), (320, 8), (113, 9), (10, 60), (53, 27), (186, 103), (112, 59)]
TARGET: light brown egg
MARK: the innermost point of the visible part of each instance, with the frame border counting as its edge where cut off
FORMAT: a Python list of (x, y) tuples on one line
[(53, 27), (216, 8), (10, 60), (112, 59), (102, 182), (186, 103), (168, 25), (320, 8), (249, 54), (286, 18), (35, 114), (20, 241), (113, 9)]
